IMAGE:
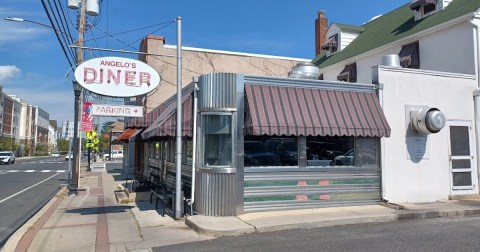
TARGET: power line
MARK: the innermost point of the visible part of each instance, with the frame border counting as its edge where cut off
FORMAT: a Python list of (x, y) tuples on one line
[(56, 34), (57, 17)]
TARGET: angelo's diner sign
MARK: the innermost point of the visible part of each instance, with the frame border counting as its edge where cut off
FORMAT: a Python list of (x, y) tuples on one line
[(117, 77)]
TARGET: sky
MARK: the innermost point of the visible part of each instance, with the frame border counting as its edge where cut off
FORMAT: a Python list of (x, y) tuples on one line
[(34, 67)]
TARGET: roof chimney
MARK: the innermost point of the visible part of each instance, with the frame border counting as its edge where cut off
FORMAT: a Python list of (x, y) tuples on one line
[(321, 27)]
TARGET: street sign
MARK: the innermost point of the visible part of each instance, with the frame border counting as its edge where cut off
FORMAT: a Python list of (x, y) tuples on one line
[(117, 110)]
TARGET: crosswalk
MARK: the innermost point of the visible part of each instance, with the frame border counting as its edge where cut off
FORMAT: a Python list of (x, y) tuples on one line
[(31, 171), (46, 162)]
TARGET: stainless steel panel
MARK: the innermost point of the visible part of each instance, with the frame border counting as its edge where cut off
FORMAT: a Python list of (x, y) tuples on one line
[(278, 190), (217, 91), (214, 194)]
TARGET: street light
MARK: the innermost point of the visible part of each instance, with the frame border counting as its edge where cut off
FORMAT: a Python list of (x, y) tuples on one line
[(56, 31), (77, 89)]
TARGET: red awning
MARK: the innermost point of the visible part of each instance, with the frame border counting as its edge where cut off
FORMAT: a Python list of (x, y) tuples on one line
[(124, 137), (409, 55), (276, 110), (349, 73), (332, 42), (165, 123)]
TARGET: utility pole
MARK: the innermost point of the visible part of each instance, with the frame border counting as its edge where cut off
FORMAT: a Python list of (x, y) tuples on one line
[(78, 91)]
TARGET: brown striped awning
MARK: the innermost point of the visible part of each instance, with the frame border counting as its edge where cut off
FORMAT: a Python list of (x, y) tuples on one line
[(331, 42), (165, 124), (349, 73), (409, 55), (416, 4), (279, 110)]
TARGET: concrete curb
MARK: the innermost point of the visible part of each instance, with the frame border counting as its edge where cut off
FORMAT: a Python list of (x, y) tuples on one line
[(13, 241), (219, 226), (207, 225)]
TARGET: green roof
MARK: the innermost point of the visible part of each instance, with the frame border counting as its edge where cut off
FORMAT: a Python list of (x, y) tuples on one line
[(350, 27), (393, 26)]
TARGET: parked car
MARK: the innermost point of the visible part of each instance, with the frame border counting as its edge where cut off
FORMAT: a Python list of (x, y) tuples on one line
[(115, 154), (256, 154), (345, 159), (69, 155), (56, 154), (7, 157)]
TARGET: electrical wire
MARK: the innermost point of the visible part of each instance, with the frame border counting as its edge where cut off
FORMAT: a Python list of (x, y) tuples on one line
[(58, 37), (56, 26), (132, 30), (128, 45), (67, 30), (60, 23)]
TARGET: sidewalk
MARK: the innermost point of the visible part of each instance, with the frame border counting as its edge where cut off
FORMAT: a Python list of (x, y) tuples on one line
[(94, 221)]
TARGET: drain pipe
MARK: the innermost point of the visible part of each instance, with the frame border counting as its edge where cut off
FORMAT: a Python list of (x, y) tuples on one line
[(194, 143), (476, 95)]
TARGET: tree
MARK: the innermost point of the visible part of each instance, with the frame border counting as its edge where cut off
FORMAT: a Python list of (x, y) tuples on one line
[(7, 143), (63, 145)]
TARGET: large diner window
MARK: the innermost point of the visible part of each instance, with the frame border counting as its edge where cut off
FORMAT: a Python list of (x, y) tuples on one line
[(217, 139), (270, 151), (321, 151), (330, 151)]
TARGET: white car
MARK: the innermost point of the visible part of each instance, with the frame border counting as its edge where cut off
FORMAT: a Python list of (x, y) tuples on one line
[(115, 154), (69, 156), (7, 157), (55, 154)]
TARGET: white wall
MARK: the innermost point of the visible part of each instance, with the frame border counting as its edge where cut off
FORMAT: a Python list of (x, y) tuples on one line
[(450, 49), (426, 179)]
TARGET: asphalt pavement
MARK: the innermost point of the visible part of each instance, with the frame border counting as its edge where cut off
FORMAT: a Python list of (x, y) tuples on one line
[(93, 220)]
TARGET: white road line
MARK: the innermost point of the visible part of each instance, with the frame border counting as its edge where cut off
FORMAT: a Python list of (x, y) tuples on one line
[(11, 196), (30, 171), (13, 171), (46, 171), (61, 171)]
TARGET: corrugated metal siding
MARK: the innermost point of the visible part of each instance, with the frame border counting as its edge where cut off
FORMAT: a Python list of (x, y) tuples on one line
[(215, 194), (265, 191), (217, 91)]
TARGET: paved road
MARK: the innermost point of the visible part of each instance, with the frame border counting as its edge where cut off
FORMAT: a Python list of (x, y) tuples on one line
[(442, 234), (25, 187)]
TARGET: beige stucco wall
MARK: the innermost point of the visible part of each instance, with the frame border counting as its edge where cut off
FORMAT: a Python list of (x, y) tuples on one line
[(202, 61)]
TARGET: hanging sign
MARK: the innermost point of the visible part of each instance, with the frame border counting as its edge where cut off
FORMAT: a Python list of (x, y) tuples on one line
[(117, 110), (87, 117), (117, 77)]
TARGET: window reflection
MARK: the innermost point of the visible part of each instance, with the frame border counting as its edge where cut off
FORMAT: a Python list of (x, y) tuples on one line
[(330, 151), (217, 135), (270, 151), (326, 151)]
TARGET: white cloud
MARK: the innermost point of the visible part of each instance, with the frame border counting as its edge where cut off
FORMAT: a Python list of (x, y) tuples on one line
[(7, 72)]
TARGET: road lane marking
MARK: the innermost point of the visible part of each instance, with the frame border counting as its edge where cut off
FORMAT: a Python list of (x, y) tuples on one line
[(13, 195), (45, 170), (29, 170)]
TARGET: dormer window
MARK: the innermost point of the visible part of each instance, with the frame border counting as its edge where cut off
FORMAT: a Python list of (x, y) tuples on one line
[(424, 8), (332, 44)]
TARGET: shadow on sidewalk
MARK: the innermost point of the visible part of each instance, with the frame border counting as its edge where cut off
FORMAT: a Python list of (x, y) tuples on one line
[(99, 210)]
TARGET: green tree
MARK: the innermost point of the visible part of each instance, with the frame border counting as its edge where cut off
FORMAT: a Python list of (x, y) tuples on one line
[(7, 143), (63, 144)]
